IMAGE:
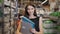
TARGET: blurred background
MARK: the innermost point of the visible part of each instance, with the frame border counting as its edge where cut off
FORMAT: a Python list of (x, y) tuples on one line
[(10, 8)]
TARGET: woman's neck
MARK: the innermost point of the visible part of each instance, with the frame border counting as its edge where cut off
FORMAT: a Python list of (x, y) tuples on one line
[(32, 16)]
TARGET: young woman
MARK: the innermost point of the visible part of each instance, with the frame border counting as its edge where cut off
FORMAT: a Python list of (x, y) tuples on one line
[(30, 13)]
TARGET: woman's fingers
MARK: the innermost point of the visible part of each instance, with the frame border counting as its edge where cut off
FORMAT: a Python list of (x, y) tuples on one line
[(33, 30)]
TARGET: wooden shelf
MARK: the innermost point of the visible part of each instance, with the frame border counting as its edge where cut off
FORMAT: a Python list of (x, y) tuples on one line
[(9, 4)]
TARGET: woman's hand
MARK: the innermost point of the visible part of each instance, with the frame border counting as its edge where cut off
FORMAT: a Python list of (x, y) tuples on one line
[(33, 30)]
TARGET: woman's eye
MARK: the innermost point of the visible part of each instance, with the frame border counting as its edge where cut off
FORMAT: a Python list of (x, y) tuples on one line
[(28, 9)]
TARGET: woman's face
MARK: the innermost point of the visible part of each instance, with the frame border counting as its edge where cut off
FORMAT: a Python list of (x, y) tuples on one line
[(30, 10)]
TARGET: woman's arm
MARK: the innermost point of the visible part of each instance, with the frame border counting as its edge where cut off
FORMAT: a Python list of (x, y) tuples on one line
[(40, 25), (18, 27)]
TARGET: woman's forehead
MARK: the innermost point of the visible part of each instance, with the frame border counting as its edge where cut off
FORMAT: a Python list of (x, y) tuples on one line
[(30, 7)]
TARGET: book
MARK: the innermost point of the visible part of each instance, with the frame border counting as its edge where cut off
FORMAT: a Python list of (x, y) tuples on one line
[(26, 20)]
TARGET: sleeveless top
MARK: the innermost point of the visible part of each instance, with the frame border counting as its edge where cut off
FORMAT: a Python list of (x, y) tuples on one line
[(36, 21)]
